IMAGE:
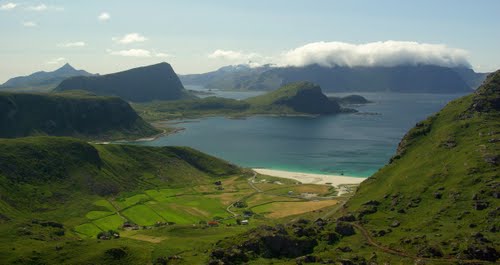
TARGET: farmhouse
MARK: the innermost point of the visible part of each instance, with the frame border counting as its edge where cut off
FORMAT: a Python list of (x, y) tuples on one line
[(213, 223)]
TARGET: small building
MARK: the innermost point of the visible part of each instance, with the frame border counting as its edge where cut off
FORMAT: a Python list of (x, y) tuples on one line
[(213, 223), (244, 222)]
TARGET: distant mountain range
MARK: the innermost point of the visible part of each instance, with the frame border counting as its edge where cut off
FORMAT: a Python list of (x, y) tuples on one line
[(410, 79), (154, 82), (43, 81)]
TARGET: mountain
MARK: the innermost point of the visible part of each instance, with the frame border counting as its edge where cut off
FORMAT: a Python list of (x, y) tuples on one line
[(76, 114), (43, 81), (436, 202), (233, 77), (154, 82), (472, 78), (406, 79), (300, 97), (293, 99)]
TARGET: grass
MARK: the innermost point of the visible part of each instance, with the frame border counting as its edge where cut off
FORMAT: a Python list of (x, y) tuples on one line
[(92, 215), (105, 203), (276, 210), (131, 201), (142, 215), (111, 222), (89, 188), (88, 230)]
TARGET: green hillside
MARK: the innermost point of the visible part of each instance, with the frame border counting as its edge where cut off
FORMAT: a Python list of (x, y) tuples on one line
[(75, 114), (301, 97), (436, 202), (142, 84), (57, 190), (294, 99)]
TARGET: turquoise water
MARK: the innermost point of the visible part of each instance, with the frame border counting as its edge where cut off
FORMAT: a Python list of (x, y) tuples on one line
[(349, 144)]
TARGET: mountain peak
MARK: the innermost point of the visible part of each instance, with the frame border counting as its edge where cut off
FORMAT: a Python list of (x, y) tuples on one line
[(66, 67)]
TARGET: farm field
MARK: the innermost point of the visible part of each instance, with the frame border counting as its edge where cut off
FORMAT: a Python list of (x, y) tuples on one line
[(268, 199)]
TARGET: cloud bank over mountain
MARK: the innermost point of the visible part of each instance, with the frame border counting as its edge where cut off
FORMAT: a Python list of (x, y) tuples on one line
[(383, 53)]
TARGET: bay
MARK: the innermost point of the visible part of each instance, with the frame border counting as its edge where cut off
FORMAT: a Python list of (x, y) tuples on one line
[(351, 144)]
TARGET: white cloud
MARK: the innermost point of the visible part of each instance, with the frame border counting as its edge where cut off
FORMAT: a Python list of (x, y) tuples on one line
[(162, 55), (139, 53), (387, 53), (72, 44), (130, 38), (104, 16), (8, 6), (234, 56), (132, 53), (40, 7), (30, 24), (57, 60), (44, 7)]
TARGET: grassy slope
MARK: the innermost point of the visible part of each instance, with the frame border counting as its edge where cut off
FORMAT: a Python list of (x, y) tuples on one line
[(75, 114), (452, 155), (64, 180)]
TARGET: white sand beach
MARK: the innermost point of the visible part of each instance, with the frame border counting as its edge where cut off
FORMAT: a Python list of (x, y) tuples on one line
[(306, 178)]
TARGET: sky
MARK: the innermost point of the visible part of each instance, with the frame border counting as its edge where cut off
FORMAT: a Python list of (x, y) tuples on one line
[(195, 36)]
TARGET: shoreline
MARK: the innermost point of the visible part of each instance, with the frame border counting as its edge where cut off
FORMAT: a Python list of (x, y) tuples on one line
[(311, 178)]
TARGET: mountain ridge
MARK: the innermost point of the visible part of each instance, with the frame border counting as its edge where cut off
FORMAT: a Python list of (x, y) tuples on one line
[(405, 78), (42, 80), (147, 83)]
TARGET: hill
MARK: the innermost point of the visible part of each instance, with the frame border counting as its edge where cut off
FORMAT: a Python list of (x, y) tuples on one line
[(300, 97), (436, 202), (56, 190), (154, 82), (43, 81), (406, 79), (77, 114), (293, 99)]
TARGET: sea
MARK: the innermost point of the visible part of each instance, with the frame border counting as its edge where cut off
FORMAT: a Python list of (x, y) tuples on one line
[(353, 144)]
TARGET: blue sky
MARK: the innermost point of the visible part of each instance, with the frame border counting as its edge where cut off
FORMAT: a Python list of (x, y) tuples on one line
[(42, 35)]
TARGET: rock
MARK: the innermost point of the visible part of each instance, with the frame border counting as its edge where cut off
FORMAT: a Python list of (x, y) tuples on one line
[(491, 159), (481, 252), (320, 222), (396, 223), (116, 253), (366, 211), (480, 205), (332, 238), (347, 218), (372, 202), (344, 229), (430, 252), (306, 259), (345, 249)]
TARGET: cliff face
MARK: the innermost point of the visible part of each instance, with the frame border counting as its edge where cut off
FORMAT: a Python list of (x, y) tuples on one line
[(154, 82), (69, 114)]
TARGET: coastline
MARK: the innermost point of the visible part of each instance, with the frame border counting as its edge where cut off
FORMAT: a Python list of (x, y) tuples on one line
[(311, 178)]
